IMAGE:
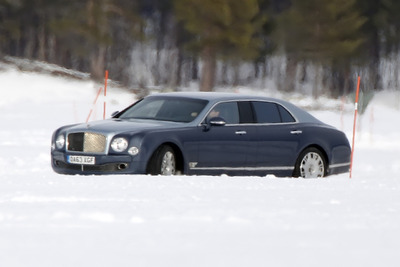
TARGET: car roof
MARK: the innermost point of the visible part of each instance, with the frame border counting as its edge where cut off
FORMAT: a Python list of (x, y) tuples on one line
[(214, 97)]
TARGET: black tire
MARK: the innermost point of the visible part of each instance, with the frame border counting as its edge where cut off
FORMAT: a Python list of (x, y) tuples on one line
[(163, 162), (310, 164)]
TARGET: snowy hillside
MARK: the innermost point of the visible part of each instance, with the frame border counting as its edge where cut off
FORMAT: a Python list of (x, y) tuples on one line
[(48, 219)]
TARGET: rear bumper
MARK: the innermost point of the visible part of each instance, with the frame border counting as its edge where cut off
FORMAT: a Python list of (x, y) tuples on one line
[(339, 168), (340, 161)]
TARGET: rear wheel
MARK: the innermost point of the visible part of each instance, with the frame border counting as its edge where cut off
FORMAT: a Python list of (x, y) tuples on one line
[(310, 164), (163, 162)]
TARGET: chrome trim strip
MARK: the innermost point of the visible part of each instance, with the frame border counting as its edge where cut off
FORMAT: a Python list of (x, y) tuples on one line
[(240, 132), (339, 165), (276, 168), (296, 132)]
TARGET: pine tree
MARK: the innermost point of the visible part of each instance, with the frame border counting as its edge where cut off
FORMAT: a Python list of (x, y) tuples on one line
[(88, 29), (325, 32), (23, 26), (9, 25), (225, 28), (387, 20), (267, 44)]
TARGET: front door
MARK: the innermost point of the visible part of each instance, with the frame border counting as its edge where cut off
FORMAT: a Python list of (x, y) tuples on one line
[(223, 148)]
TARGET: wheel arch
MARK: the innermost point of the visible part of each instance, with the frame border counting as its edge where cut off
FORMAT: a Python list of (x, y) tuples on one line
[(178, 155), (316, 146), (320, 148)]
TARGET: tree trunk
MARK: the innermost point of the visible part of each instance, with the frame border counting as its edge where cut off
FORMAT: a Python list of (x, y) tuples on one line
[(256, 66), (194, 69), (346, 82), (340, 81), (178, 75), (30, 43), (224, 74), (51, 44), (97, 57), (265, 67), (316, 84), (396, 69), (42, 42), (97, 63), (291, 68), (208, 69), (236, 74), (375, 77)]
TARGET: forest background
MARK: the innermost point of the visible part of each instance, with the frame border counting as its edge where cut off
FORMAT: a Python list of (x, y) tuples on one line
[(306, 46)]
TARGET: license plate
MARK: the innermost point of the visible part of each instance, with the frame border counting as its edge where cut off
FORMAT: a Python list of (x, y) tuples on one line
[(84, 160)]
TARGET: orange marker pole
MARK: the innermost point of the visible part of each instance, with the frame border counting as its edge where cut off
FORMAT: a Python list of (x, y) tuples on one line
[(354, 125), (105, 93), (94, 103)]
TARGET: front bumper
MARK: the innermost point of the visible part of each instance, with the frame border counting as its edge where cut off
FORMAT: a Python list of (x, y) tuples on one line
[(105, 164)]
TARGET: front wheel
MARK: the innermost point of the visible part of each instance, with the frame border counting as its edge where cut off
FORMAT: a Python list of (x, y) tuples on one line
[(163, 162), (310, 164)]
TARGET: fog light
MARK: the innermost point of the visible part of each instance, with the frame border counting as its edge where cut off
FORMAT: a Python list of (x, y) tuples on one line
[(133, 151)]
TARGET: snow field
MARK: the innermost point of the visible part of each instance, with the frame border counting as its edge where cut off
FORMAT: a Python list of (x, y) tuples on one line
[(48, 219)]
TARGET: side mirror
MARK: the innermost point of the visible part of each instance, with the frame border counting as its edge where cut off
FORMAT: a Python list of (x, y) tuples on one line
[(115, 113), (217, 121)]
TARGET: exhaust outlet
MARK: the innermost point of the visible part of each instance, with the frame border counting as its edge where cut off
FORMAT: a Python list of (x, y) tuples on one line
[(122, 166)]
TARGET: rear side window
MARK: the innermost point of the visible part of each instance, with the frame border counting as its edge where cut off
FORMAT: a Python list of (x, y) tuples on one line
[(267, 112), (285, 115)]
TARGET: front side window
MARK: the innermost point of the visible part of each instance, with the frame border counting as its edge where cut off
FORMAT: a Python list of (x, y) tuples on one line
[(228, 111), (165, 109)]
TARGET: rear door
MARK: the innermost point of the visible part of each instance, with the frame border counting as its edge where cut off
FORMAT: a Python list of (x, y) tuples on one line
[(277, 136)]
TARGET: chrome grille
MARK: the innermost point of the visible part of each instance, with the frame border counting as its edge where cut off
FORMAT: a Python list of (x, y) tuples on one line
[(87, 142)]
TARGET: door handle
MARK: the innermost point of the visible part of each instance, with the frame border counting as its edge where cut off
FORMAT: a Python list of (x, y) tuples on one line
[(296, 132), (241, 132)]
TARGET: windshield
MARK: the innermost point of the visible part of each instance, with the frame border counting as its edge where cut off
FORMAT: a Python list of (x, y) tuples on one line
[(165, 109)]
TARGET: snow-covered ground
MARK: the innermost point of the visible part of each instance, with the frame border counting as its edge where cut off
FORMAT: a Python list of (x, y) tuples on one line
[(48, 219)]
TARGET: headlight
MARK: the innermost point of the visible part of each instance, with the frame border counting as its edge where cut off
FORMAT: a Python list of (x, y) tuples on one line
[(60, 141), (119, 144)]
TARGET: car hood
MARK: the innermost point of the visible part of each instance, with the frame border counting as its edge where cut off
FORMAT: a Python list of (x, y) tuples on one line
[(121, 126)]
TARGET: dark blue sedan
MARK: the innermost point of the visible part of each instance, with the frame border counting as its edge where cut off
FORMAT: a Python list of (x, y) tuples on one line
[(203, 134)]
